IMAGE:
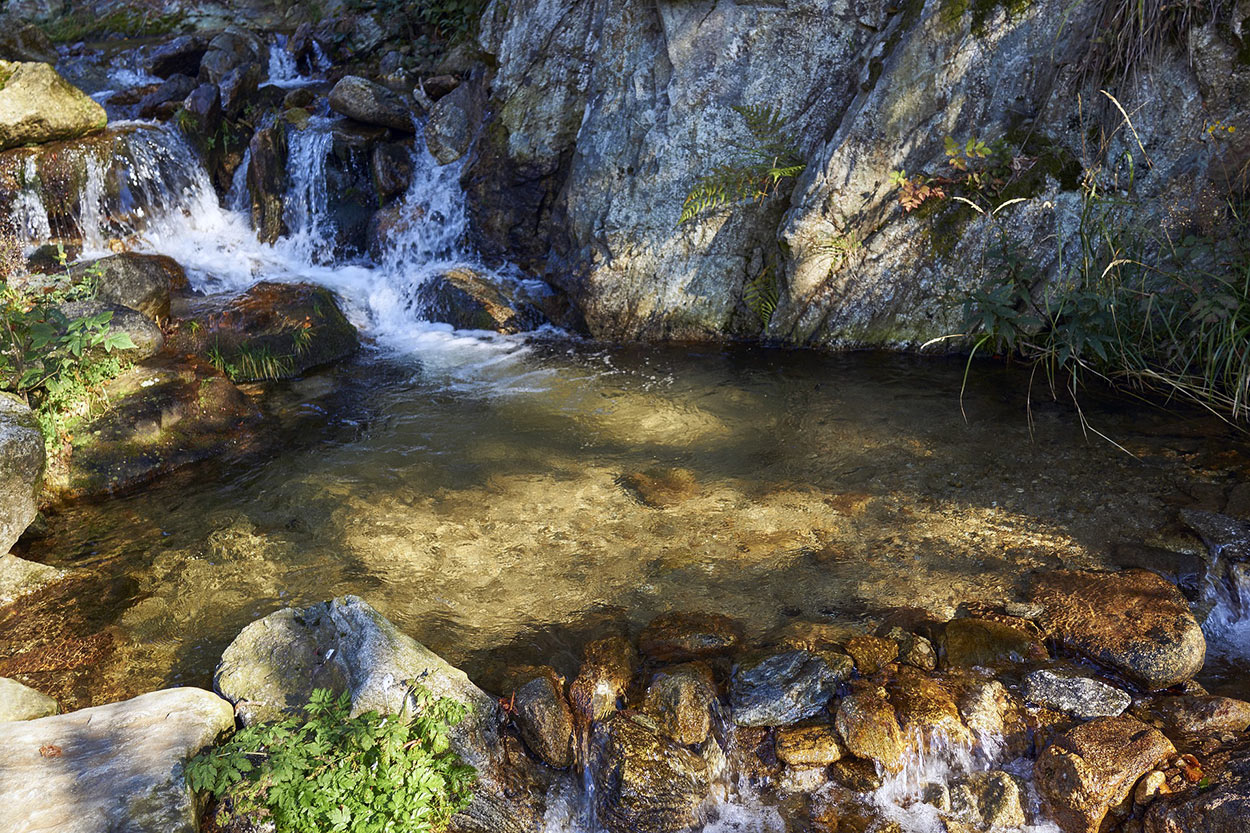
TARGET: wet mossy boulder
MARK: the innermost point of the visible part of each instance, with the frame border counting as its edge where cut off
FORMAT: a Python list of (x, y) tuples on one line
[(471, 300), (645, 783), (975, 641), (38, 105), (138, 281), (271, 331), (1134, 622), (21, 468), (163, 413), (370, 103)]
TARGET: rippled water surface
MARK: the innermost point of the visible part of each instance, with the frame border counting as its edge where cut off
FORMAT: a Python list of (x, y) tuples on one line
[(503, 502)]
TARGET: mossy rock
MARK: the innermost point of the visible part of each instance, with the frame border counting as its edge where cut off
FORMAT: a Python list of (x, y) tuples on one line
[(38, 105)]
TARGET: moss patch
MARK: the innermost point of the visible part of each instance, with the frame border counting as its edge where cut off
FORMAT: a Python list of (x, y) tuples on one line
[(952, 12)]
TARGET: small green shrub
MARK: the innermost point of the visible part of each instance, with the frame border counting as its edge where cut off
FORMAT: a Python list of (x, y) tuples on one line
[(768, 161), (130, 22), (332, 772)]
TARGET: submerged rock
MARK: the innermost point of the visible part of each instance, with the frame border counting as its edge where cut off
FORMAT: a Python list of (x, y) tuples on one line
[(644, 782), (660, 487), (1082, 697), (541, 713), (985, 642), (370, 103), (1089, 771), (109, 768), (1133, 622), (776, 689), (680, 700), (38, 105), (871, 653), (21, 468), (21, 702), (19, 577), (471, 300), (680, 636)]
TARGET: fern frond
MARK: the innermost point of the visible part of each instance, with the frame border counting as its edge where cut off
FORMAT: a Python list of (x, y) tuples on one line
[(763, 120), (761, 295)]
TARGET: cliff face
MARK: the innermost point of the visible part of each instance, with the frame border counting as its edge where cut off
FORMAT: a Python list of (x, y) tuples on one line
[(602, 115)]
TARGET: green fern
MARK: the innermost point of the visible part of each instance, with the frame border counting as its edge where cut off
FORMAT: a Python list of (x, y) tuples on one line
[(769, 160), (761, 294)]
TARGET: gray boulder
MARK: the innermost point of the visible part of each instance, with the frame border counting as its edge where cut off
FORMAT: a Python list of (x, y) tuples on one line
[(109, 768), (21, 469), (453, 120), (19, 577), (38, 105), (1081, 697), (541, 713), (776, 689), (345, 645), (141, 282), (363, 100), (21, 702), (166, 98), (233, 48)]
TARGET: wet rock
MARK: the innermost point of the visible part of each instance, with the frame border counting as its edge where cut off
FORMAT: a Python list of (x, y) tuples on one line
[(452, 122), (470, 300), (347, 646), (871, 653), (660, 487), (817, 745), (363, 100), (22, 41), (857, 775), (645, 783), (140, 282), (238, 88), (19, 577), (391, 166), (161, 102), (993, 799), (38, 105), (680, 700), (203, 106), (21, 702), (114, 767), (541, 713), (776, 689), (682, 636), (607, 667), (180, 56), (914, 650), (267, 181), (163, 413), (1090, 771), (870, 729), (994, 716), (925, 708), (21, 468), (301, 97), (146, 336), (1134, 622), (234, 48), (1080, 696), (1226, 537), (437, 86), (985, 642), (1222, 807), (388, 225), (1190, 717), (272, 331)]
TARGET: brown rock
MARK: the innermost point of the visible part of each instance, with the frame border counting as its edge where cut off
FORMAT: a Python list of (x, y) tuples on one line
[(680, 636), (1191, 717), (661, 487), (680, 699), (871, 653), (646, 783), (974, 641), (607, 667), (868, 726), (1133, 622), (803, 746), (1090, 771), (925, 708), (541, 713)]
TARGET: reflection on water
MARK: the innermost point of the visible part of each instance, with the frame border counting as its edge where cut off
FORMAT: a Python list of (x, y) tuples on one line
[(483, 501)]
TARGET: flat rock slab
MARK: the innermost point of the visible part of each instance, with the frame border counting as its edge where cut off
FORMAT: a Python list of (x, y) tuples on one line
[(110, 768), (1133, 622)]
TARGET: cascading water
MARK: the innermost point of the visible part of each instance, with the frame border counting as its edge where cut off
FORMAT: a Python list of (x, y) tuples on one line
[(283, 71)]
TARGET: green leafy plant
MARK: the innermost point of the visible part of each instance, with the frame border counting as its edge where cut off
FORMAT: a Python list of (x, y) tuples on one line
[(130, 22), (761, 294), (757, 174), (328, 771)]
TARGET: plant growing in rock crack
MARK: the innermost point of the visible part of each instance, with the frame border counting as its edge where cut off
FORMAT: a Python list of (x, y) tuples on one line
[(328, 771), (757, 174)]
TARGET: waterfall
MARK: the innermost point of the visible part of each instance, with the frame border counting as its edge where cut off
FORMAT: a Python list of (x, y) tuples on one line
[(238, 198), (283, 71), (311, 227)]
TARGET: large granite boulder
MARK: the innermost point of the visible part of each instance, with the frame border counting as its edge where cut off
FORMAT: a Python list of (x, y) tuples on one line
[(21, 469), (38, 105), (365, 101), (1133, 622), (644, 782), (109, 768), (1090, 771), (345, 645)]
